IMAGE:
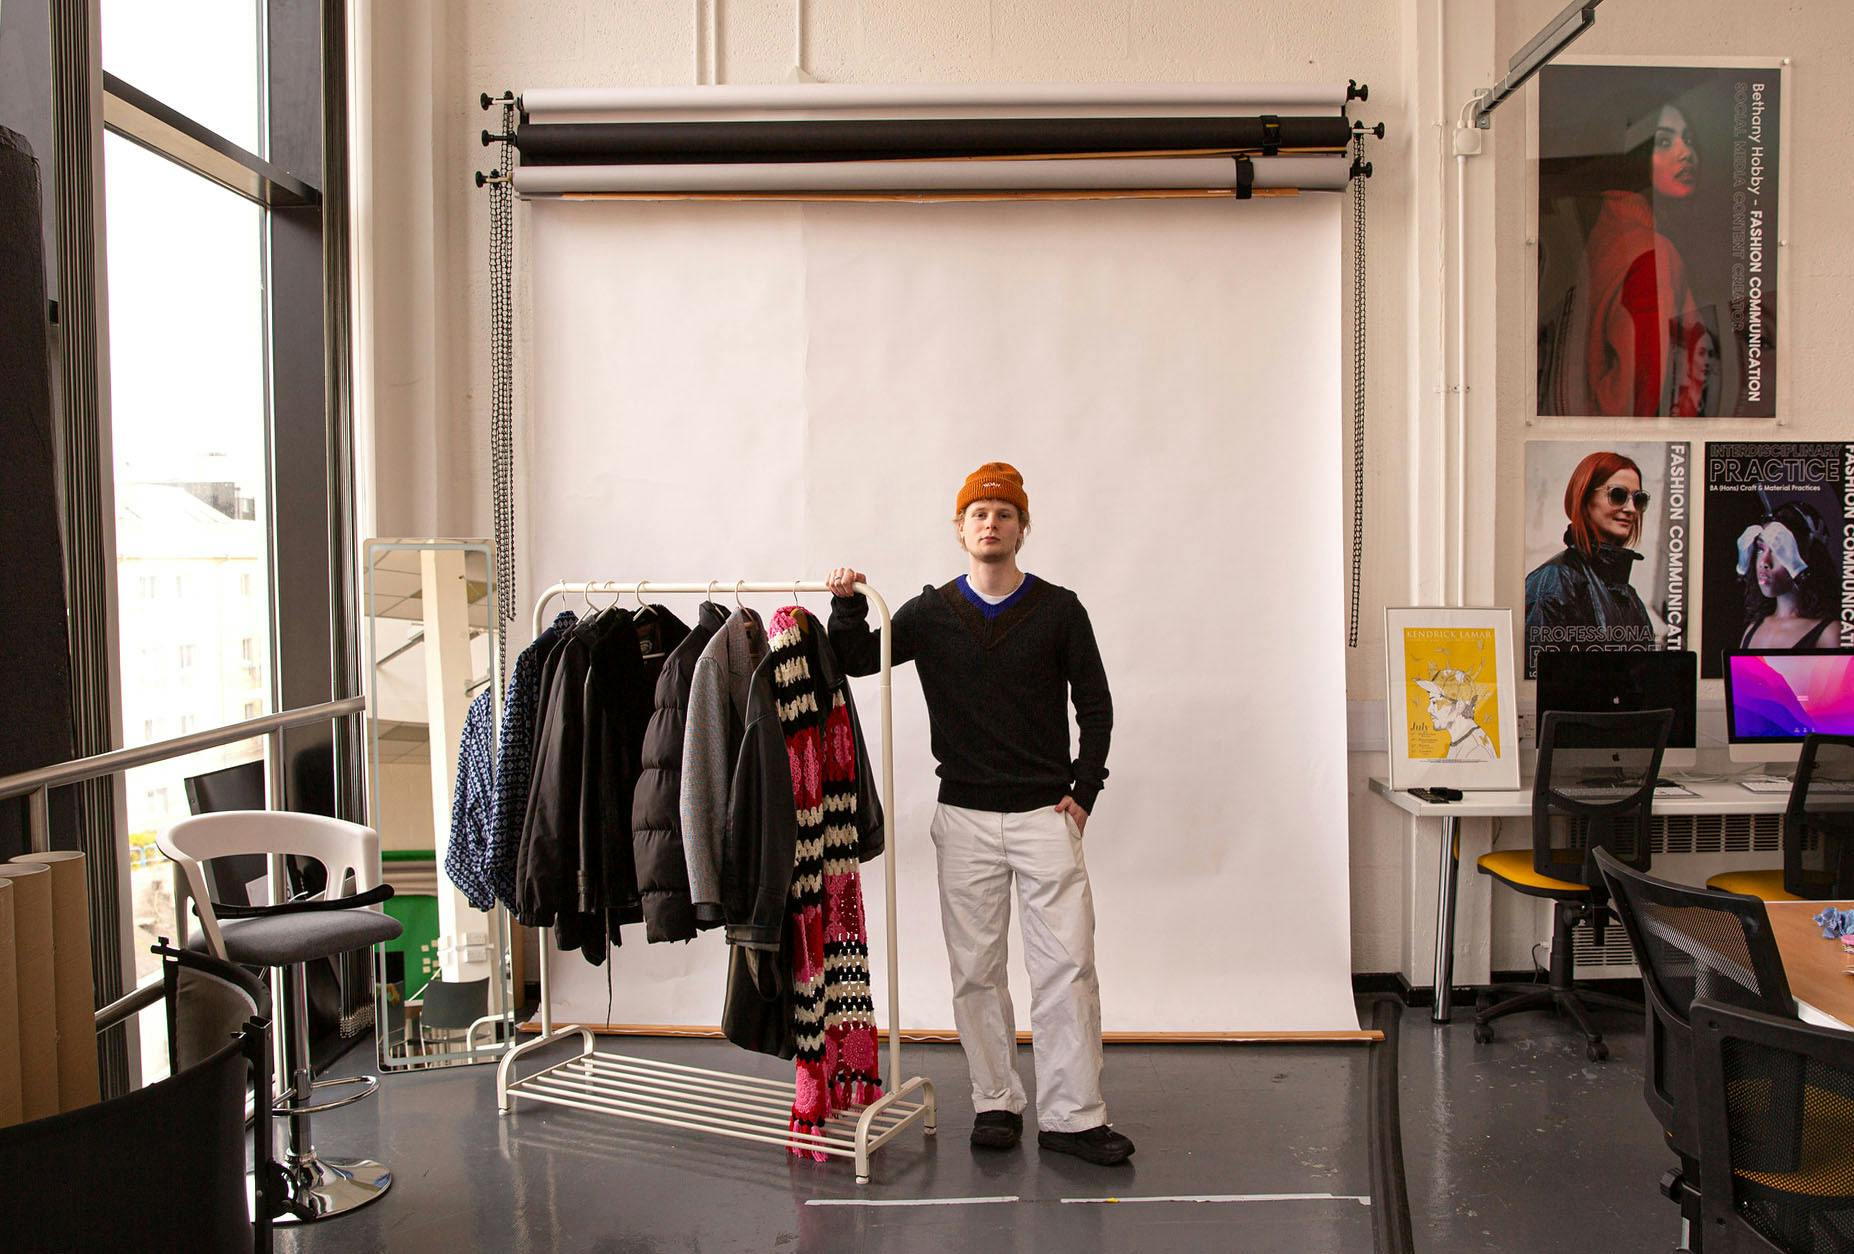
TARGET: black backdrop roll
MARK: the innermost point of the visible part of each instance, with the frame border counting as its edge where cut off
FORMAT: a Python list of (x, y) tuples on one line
[(635, 143)]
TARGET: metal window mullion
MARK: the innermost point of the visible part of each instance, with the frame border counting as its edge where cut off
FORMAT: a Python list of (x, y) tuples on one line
[(88, 497), (338, 383)]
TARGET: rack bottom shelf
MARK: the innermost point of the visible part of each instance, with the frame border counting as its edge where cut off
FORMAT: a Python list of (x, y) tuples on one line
[(720, 1103)]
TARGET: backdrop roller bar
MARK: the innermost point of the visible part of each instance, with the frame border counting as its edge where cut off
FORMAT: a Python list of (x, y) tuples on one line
[(1242, 98), (1081, 174), (632, 143)]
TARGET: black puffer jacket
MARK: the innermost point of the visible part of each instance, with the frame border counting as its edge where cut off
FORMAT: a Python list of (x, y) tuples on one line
[(656, 819)]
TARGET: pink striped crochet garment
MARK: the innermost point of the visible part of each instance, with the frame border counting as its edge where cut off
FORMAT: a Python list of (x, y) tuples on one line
[(825, 933)]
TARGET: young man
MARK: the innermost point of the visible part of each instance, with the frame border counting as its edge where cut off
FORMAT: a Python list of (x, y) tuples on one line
[(1000, 655)]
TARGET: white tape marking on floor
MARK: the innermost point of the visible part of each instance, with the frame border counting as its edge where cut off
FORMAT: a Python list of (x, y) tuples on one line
[(1228, 1197), (910, 1201)]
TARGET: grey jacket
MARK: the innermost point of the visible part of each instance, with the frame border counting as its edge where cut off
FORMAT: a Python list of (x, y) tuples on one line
[(716, 725)]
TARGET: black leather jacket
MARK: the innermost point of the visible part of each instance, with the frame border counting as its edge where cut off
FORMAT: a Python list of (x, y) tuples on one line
[(1576, 601)]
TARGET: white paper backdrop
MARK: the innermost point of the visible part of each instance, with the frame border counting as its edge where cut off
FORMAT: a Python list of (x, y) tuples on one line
[(765, 391)]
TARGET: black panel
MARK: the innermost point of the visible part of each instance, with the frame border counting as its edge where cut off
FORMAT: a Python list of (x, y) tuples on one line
[(38, 723)]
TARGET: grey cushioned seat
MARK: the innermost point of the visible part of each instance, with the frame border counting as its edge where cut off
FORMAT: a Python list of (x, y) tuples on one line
[(284, 939)]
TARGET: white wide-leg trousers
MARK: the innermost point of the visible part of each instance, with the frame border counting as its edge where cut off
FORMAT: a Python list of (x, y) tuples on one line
[(980, 852)]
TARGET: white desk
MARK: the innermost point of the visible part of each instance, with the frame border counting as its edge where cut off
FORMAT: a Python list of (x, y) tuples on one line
[(1720, 797)]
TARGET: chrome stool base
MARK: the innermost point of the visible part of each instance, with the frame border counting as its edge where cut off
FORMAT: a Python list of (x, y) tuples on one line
[(318, 1189)]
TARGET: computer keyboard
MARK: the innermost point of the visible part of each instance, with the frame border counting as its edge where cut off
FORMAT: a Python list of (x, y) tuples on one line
[(1778, 783), (1599, 792)]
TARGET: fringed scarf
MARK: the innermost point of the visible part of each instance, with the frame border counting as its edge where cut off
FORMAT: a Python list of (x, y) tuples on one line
[(825, 934)]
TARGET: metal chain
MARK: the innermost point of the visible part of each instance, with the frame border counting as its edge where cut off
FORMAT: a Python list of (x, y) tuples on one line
[(1358, 385), (502, 380)]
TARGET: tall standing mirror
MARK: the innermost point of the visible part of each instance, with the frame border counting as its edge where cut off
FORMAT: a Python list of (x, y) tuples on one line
[(444, 994)]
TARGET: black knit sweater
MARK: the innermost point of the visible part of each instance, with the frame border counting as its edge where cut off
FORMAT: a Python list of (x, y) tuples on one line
[(997, 692)]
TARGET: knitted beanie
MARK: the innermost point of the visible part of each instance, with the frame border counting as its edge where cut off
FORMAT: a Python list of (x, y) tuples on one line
[(994, 481)]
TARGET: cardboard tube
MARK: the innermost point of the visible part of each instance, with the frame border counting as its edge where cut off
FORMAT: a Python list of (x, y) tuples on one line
[(73, 984), (38, 1014), (10, 1110)]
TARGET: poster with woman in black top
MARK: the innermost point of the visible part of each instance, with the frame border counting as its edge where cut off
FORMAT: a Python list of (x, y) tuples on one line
[(1775, 563)]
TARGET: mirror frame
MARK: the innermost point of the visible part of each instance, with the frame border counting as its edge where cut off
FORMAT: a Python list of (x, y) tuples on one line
[(500, 1027)]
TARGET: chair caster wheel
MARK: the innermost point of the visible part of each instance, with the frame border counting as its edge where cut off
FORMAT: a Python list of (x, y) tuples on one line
[(1482, 1034), (1597, 1051)]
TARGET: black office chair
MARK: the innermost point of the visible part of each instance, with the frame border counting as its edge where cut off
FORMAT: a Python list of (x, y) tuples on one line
[(1690, 943), (449, 1010), (163, 1167), (1818, 831), (1593, 790), (1775, 1101)]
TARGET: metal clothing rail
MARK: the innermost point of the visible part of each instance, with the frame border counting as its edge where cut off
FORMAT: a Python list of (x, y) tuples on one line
[(724, 1103)]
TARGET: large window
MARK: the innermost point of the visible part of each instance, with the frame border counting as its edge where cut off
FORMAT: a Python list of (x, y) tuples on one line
[(189, 411)]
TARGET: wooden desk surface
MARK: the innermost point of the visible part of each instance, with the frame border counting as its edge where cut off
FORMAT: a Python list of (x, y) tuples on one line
[(1816, 969)]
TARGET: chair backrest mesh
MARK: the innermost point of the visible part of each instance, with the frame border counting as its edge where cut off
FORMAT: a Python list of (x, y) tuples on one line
[(1818, 826), (1692, 943), (1594, 789), (1787, 1107)]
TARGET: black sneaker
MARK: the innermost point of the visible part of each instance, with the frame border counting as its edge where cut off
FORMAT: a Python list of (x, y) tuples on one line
[(997, 1130), (1101, 1146)]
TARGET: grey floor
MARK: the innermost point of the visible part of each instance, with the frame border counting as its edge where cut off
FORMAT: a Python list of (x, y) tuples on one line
[(1518, 1145)]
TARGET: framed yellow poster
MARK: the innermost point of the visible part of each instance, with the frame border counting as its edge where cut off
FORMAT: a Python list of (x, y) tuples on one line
[(1451, 698)]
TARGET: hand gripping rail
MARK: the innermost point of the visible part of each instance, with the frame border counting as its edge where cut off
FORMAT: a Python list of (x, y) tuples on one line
[(723, 1103)]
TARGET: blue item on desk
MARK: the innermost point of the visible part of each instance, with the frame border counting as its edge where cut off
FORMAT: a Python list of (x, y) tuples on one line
[(1835, 922)]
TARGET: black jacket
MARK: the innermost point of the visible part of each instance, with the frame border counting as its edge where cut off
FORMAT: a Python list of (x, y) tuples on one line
[(656, 819), (1574, 601), (761, 842), (576, 871), (547, 867)]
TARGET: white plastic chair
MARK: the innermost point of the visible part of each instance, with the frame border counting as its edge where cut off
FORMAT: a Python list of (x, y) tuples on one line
[(285, 936)]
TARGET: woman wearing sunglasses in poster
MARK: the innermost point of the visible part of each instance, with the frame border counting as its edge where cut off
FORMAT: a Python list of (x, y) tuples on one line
[(1581, 598)]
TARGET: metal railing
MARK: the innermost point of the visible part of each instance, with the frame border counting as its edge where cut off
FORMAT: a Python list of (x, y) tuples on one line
[(37, 784)]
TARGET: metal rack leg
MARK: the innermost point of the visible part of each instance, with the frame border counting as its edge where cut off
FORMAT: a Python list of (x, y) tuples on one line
[(1448, 869), (929, 1114)]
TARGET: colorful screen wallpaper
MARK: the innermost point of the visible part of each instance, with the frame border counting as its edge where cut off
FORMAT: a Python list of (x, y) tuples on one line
[(1790, 696)]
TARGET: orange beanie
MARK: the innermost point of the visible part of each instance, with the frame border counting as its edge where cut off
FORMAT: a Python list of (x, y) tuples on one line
[(994, 481)]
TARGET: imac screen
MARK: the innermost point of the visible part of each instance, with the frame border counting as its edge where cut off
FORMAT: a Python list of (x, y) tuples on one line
[(1785, 696)]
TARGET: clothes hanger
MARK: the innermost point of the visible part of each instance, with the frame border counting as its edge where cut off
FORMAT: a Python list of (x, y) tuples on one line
[(645, 611)]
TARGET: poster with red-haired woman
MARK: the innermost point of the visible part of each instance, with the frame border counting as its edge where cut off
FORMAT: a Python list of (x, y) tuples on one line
[(1658, 239), (1607, 538)]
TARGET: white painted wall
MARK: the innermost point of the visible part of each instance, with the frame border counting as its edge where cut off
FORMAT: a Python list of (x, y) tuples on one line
[(422, 232)]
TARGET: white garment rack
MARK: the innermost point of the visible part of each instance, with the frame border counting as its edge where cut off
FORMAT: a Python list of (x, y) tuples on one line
[(746, 1108)]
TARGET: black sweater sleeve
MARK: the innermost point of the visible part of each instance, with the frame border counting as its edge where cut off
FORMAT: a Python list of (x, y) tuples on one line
[(858, 649), (1094, 708)]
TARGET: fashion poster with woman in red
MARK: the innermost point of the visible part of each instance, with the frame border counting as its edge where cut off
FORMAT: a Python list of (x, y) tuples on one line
[(1777, 566), (1658, 240), (1607, 529)]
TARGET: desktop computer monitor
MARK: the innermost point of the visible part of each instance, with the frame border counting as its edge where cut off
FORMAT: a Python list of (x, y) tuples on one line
[(1775, 697), (1596, 680)]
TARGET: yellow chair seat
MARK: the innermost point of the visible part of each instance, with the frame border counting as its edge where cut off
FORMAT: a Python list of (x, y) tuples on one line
[(1765, 885), (1515, 867)]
